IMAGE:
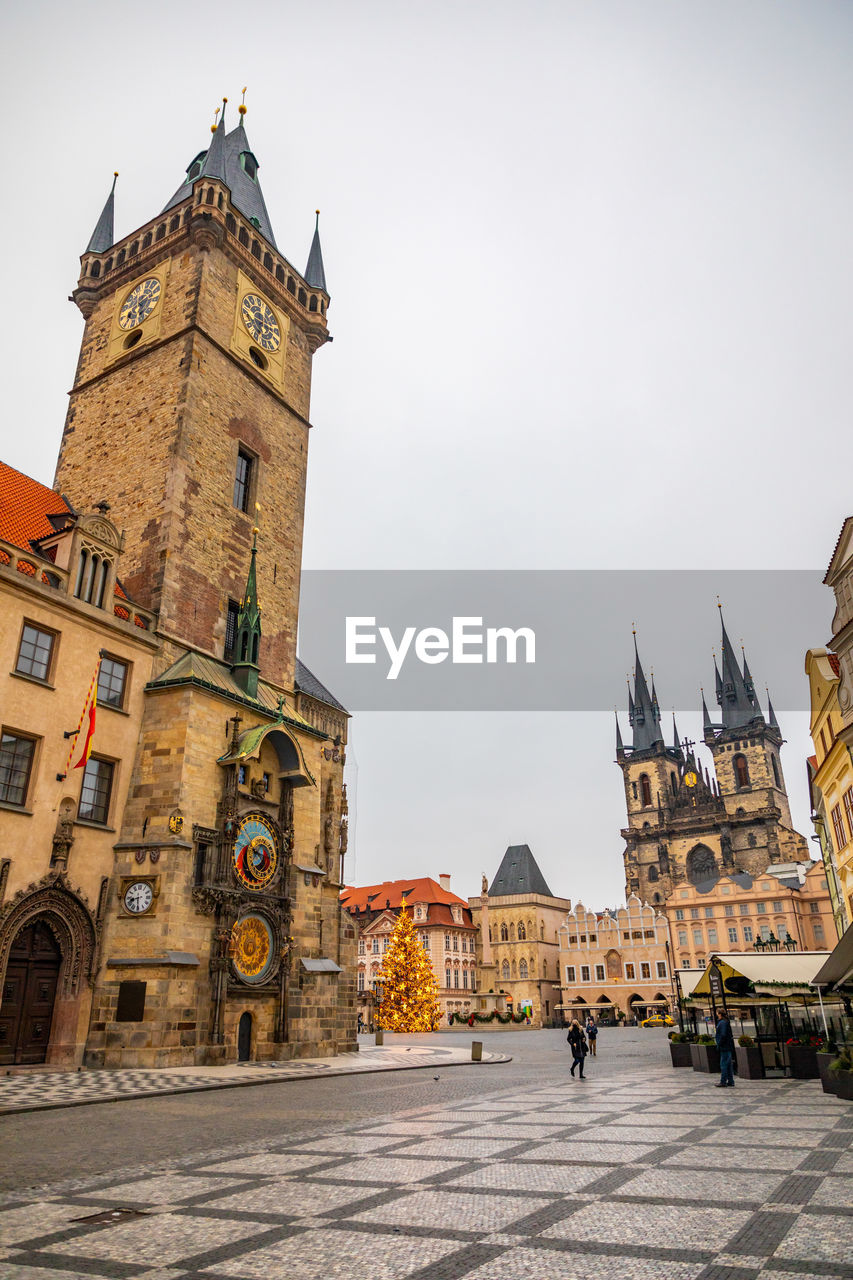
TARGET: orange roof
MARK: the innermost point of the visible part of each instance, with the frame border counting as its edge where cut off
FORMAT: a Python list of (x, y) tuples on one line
[(25, 506), (373, 897)]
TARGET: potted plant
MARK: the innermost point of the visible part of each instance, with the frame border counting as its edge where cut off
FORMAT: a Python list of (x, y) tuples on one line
[(750, 1063), (825, 1058), (679, 1049), (841, 1076), (802, 1055), (704, 1054)]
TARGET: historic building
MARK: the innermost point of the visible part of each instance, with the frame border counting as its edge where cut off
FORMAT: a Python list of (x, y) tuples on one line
[(519, 919), (207, 925), (788, 902), (445, 927), (830, 777), (686, 826), (614, 962)]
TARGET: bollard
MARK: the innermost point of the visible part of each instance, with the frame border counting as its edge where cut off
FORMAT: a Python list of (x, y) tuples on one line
[(380, 1038), (476, 1051)]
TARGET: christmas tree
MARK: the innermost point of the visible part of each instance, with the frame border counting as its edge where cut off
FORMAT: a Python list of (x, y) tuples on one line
[(409, 988)]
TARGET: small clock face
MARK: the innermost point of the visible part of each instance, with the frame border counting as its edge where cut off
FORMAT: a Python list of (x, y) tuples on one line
[(261, 323), (690, 778), (255, 852), (138, 897), (253, 954), (139, 303)]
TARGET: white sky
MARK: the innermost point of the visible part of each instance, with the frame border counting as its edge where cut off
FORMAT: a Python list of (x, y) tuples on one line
[(591, 274)]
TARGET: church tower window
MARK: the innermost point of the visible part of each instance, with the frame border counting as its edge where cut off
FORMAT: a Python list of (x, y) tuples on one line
[(645, 789), (741, 771), (776, 776), (243, 480)]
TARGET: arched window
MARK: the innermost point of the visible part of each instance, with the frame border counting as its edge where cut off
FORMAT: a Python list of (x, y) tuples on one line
[(522, 969), (701, 865), (312, 306), (776, 776), (522, 934), (268, 261), (645, 790), (279, 274), (505, 969), (230, 223), (741, 771), (121, 257), (673, 782), (504, 933), (653, 873), (303, 297), (108, 265), (656, 898), (96, 270), (174, 224)]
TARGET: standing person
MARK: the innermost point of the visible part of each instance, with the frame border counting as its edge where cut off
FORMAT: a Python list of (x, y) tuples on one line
[(578, 1046), (591, 1034), (726, 1045)]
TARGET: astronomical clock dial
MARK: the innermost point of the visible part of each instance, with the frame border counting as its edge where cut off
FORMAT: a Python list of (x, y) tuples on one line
[(253, 953), (690, 778), (138, 897), (261, 322), (255, 852), (139, 303)]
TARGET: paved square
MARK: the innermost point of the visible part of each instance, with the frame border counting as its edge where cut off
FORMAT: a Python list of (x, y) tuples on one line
[(668, 1180)]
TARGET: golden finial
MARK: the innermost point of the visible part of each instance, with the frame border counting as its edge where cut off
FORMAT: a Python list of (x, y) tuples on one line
[(719, 606), (215, 120), (633, 628), (242, 107)]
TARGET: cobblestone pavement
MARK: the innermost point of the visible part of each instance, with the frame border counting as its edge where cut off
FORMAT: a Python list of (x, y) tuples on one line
[(45, 1090), (648, 1173)]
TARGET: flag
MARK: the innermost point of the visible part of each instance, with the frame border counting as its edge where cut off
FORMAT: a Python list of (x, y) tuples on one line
[(91, 707)]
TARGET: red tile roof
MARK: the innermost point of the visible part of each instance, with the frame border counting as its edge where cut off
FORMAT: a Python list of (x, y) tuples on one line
[(834, 663), (25, 506), (418, 889)]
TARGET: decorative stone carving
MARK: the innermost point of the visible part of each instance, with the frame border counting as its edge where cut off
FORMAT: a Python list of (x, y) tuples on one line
[(66, 913)]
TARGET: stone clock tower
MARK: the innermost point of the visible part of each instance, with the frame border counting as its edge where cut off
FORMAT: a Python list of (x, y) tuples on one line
[(188, 420)]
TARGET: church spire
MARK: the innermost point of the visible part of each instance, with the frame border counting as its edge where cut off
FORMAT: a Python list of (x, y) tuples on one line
[(644, 713), (245, 668), (214, 162), (620, 745), (735, 690), (676, 744), (103, 237), (315, 275)]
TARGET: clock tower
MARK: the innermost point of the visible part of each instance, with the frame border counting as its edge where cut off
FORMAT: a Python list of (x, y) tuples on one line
[(190, 403)]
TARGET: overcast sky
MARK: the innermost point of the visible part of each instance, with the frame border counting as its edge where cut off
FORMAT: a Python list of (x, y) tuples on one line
[(591, 275)]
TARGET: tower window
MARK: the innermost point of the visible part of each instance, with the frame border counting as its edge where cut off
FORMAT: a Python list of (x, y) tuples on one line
[(259, 360), (231, 629), (776, 777), (95, 792), (645, 789), (243, 480), (741, 771), (112, 681), (249, 163), (195, 168)]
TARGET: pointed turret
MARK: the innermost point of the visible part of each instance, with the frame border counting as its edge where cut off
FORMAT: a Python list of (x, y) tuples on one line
[(103, 237), (314, 272), (739, 705), (676, 742), (245, 668), (213, 165), (707, 724), (771, 715), (620, 745), (644, 713)]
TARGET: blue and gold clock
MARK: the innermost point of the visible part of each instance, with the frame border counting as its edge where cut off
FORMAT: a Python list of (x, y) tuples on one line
[(255, 852), (261, 323), (139, 303)]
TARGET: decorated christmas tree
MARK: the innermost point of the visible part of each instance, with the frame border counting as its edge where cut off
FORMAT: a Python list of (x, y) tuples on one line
[(409, 988)]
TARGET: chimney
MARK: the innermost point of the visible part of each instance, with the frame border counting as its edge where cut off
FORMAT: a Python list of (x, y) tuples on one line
[(444, 881)]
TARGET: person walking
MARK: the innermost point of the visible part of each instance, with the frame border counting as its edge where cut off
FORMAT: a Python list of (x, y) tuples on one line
[(726, 1045), (578, 1046), (591, 1034)]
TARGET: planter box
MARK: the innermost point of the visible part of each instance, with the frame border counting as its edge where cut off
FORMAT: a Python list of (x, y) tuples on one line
[(823, 1061), (680, 1054), (705, 1057), (803, 1061), (843, 1085), (750, 1062)]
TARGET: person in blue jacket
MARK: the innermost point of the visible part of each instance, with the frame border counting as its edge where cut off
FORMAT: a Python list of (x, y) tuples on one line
[(726, 1045)]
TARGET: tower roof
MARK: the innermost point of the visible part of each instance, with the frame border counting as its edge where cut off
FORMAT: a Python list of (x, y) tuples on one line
[(519, 873), (643, 709), (231, 160), (315, 275), (103, 237), (735, 689)]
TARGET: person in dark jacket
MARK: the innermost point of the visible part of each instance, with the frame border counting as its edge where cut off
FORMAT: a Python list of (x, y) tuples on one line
[(726, 1045), (578, 1046)]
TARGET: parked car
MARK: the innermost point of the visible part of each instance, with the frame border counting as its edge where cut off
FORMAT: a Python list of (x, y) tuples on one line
[(658, 1020)]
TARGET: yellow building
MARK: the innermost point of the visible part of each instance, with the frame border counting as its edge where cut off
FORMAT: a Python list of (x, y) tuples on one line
[(830, 772), (615, 961), (789, 901), (519, 921)]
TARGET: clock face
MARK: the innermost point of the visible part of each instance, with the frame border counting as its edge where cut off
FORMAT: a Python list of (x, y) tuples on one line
[(690, 778), (253, 948), (138, 897), (139, 303), (255, 852), (261, 322)]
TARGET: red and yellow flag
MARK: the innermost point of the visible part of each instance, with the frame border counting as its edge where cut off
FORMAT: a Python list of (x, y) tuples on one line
[(91, 707)]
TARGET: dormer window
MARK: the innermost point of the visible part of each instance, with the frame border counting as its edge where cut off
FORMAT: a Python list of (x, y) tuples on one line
[(195, 168), (249, 164)]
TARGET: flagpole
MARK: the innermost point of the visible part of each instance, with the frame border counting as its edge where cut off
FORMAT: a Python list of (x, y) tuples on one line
[(74, 734)]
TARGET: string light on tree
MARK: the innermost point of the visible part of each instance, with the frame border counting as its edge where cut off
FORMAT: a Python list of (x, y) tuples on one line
[(409, 988)]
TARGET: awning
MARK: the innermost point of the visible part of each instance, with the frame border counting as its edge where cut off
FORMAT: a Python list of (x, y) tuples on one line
[(838, 968), (320, 966), (775, 973)]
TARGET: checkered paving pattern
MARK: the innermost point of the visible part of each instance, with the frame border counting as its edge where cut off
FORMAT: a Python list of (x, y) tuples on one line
[(44, 1090), (663, 1179)]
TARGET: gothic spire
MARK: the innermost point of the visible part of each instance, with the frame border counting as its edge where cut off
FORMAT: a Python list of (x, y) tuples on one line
[(213, 165), (676, 743), (644, 712), (706, 715), (620, 745), (315, 275), (735, 692), (771, 714), (103, 237), (245, 668)]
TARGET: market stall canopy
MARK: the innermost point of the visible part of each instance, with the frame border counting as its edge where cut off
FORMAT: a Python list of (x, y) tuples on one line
[(838, 969), (777, 974), (687, 979)]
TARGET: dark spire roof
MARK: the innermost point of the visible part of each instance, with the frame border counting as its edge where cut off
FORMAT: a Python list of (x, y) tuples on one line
[(103, 237), (706, 715), (644, 712), (735, 690), (314, 273), (519, 873), (235, 164), (245, 666), (620, 745), (771, 714), (306, 682), (676, 743)]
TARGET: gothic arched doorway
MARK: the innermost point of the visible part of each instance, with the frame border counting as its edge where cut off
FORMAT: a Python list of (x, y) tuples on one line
[(29, 993), (244, 1038)]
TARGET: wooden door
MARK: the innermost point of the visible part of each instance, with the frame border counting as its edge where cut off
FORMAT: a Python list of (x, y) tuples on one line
[(29, 991)]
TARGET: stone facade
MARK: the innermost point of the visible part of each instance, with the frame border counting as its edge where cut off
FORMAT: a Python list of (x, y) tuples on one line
[(615, 961), (834, 756), (830, 773)]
